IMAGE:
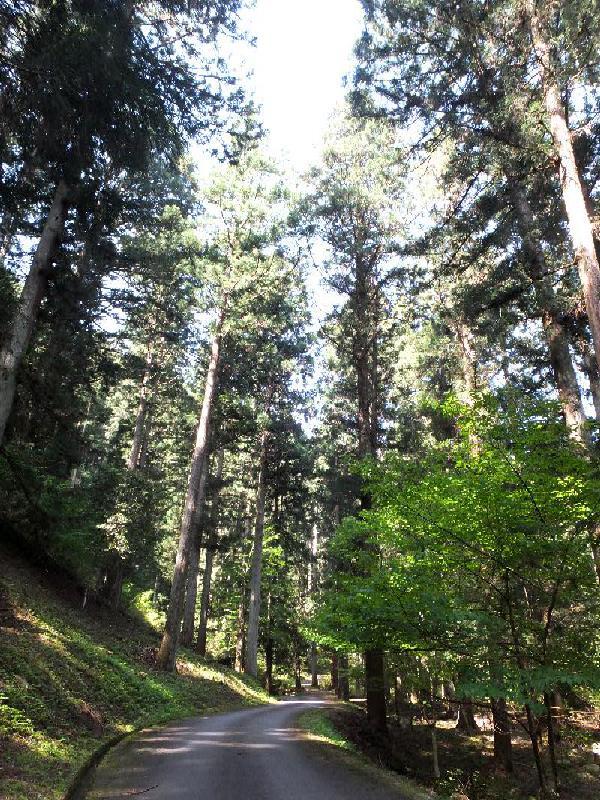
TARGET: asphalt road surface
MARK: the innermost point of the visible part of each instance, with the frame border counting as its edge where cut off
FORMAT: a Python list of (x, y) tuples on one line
[(255, 754)]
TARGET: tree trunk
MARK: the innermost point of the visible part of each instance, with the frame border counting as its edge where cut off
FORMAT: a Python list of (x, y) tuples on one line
[(365, 357), (334, 672), (502, 736), (187, 632), (191, 586), (434, 751), (375, 686), (193, 503), (191, 578), (206, 581), (15, 346), (314, 670), (240, 636), (143, 460), (313, 583), (555, 331), (251, 666), (466, 718), (468, 358), (116, 586), (535, 746), (579, 223), (269, 647), (375, 675), (298, 672), (590, 368), (343, 681), (557, 338), (397, 703), (552, 740), (557, 710), (565, 376), (468, 362)]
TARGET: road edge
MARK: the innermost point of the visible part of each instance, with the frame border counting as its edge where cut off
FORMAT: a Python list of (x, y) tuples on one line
[(347, 752), (81, 779)]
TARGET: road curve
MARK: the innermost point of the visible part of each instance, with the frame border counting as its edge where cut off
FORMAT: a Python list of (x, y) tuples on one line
[(255, 754)]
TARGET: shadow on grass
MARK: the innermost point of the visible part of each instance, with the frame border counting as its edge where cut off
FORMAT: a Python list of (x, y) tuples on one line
[(70, 681)]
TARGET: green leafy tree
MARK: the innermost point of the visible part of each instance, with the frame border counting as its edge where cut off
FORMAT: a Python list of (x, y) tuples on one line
[(71, 117), (483, 548)]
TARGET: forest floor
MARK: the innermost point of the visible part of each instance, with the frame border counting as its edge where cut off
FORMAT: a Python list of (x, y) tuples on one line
[(73, 679), (466, 762), (332, 727)]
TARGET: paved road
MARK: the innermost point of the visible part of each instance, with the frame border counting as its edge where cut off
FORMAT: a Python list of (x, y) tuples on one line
[(255, 754)]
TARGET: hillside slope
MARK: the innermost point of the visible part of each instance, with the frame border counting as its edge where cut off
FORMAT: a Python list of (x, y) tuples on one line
[(71, 679)]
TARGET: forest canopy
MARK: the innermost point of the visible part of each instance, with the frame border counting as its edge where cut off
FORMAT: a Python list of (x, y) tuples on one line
[(342, 423)]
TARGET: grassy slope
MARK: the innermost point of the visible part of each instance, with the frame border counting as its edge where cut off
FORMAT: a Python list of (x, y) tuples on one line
[(72, 679)]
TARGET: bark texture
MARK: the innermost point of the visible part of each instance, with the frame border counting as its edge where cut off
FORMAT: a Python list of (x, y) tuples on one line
[(240, 635), (191, 581), (313, 583), (193, 502), (502, 736), (204, 600), (558, 340), (343, 682), (114, 575), (17, 342), (210, 555), (251, 666), (434, 752), (467, 723), (189, 611), (269, 651), (580, 225), (555, 330), (334, 672), (590, 367), (468, 358), (314, 666)]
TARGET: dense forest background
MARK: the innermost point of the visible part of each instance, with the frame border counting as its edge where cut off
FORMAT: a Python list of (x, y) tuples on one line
[(389, 484)]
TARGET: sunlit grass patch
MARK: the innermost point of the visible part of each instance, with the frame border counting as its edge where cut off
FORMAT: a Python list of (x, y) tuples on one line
[(320, 728), (71, 680)]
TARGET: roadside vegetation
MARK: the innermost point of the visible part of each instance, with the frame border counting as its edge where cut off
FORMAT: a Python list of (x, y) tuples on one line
[(72, 679), (331, 727), (466, 762), (343, 422)]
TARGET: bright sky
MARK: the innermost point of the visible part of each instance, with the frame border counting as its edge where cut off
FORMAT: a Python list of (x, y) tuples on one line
[(303, 51)]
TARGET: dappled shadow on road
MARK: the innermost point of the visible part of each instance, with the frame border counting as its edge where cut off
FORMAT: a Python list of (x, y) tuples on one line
[(167, 762), (258, 754)]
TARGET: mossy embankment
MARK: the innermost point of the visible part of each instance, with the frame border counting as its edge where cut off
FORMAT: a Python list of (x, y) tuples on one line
[(72, 679)]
